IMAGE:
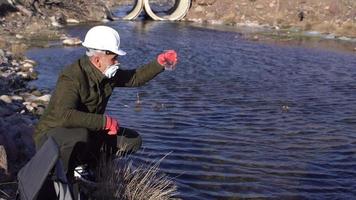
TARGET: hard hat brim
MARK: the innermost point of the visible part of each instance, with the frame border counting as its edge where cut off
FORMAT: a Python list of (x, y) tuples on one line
[(120, 52)]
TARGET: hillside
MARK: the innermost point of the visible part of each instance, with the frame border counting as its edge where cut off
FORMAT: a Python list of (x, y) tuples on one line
[(325, 16)]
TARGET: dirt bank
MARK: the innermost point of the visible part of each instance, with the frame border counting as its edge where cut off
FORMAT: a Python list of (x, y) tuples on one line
[(325, 16)]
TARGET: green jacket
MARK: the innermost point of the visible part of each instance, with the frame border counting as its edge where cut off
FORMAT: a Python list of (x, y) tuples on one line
[(82, 93)]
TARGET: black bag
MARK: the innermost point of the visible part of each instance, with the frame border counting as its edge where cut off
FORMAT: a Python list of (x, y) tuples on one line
[(43, 176)]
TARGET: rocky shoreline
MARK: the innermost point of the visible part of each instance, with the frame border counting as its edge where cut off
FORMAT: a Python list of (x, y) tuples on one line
[(20, 106)]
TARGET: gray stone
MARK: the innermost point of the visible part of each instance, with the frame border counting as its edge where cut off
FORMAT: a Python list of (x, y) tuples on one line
[(72, 21), (32, 62), (44, 98), (17, 98), (5, 98), (72, 41), (36, 93)]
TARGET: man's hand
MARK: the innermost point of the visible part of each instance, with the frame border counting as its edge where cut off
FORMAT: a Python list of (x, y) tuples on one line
[(168, 59), (111, 125)]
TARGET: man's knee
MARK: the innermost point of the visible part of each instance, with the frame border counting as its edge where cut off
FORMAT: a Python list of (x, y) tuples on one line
[(65, 136)]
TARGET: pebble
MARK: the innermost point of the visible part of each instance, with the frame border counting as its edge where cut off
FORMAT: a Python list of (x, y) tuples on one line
[(23, 75), (17, 98), (29, 108), (5, 98), (7, 74), (72, 21), (36, 93), (30, 62), (330, 36), (344, 38), (27, 65), (44, 98), (18, 36), (33, 104), (72, 41)]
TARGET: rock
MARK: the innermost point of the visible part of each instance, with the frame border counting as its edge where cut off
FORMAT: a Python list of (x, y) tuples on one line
[(312, 33), (3, 159), (18, 36), (344, 38), (216, 22), (5, 98), (33, 75), (54, 22), (44, 98), (17, 98), (7, 74), (72, 21), (23, 75), (105, 20), (34, 105), (27, 65), (72, 41), (330, 36), (37, 93), (29, 108), (32, 62), (14, 63)]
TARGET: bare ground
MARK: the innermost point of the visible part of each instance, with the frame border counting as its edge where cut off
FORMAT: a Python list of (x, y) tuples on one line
[(325, 16)]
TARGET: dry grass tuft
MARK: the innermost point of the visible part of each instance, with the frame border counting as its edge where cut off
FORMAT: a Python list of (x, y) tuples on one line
[(3, 159), (122, 180)]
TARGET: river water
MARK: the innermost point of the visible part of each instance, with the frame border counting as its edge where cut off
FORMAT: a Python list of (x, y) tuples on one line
[(238, 119)]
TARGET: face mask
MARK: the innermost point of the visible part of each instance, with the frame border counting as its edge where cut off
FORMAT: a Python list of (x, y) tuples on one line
[(111, 71)]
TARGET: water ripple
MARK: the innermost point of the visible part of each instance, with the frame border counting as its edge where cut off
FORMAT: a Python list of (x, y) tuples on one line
[(236, 119)]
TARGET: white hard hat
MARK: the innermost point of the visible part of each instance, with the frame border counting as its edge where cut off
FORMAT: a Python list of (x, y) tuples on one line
[(103, 38)]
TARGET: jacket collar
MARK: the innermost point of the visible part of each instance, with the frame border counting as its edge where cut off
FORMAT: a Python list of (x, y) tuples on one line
[(94, 74)]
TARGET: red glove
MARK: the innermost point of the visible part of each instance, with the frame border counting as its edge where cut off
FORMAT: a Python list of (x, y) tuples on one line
[(111, 125), (168, 59)]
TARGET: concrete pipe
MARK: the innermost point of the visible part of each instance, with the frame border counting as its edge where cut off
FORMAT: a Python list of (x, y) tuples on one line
[(136, 10), (180, 9)]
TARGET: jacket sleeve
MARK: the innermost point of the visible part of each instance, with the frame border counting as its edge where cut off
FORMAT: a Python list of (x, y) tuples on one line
[(67, 100), (137, 77)]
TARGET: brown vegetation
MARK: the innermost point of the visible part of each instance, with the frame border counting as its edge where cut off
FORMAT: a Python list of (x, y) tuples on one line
[(125, 181), (327, 16)]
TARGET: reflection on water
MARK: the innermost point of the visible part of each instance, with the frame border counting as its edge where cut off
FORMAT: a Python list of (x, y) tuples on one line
[(240, 119)]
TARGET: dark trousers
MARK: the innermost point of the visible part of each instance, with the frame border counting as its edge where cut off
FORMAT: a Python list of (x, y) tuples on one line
[(80, 146)]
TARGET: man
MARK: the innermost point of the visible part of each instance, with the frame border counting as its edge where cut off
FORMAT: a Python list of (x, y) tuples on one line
[(75, 115)]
